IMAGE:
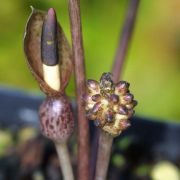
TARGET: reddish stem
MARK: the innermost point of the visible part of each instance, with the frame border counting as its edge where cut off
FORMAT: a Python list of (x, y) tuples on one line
[(78, 54), (125, 39), (116, 71)]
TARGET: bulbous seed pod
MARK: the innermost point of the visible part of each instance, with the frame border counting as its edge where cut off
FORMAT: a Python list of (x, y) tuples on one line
[(122, 87), (123, 110), (114, 98), (93, 86), (131, 105), (130, 112), (96, 108), (110, 105), (106, 85), (96, 97), (56, 118), (88, 99), (109, 116)]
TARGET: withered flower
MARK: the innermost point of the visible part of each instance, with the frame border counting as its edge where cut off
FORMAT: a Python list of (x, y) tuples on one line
[(50, 61), (34, 55), (109, 104)]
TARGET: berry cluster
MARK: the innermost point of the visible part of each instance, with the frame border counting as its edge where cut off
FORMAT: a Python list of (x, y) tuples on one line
[(110, 105)]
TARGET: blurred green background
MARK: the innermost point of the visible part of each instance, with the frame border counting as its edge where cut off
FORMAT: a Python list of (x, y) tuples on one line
[(153, 62)]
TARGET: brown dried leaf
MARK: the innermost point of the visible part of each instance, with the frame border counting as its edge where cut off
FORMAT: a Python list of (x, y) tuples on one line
[(32, 48)]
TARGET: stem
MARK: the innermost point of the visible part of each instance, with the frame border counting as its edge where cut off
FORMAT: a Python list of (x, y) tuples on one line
[(65, 162), (83, 125), (94, 150), (125, 38), (104, 152), (105, 141)]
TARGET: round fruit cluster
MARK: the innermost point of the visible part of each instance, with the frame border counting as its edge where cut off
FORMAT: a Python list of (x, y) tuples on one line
[(110, 105)]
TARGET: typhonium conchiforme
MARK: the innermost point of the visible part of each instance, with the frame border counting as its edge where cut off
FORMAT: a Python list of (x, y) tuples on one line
[(50, 61), (33, 50)]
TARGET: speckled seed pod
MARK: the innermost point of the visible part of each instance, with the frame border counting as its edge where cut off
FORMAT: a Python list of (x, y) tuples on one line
[(56, 118), (110, 105)]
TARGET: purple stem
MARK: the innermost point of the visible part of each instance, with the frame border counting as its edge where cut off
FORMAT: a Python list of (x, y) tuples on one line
[(125, 38), (83, 124)]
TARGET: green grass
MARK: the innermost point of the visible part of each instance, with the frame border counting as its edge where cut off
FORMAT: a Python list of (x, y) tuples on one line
[(152, 64)]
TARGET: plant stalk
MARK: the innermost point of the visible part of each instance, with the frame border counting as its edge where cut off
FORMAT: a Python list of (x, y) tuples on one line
[(94, 152), (104, 153), (125, 39), (105, 141), (64, 159), (78, 54)]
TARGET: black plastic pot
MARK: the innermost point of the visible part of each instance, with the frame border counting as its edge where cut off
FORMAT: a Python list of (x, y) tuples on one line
[(146, 143)]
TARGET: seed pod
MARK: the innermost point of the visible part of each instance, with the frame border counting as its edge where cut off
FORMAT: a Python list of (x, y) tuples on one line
[(96, 107), (96, 97), (109, 116), (56, 118), (106, 84), (130, 113), (131, 105), (89, 101), (128, 97), (114, 98), (93, 86), (123, 110), (122, 87)]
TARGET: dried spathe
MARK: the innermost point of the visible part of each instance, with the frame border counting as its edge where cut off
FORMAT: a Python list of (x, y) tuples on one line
[(32, 48)]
